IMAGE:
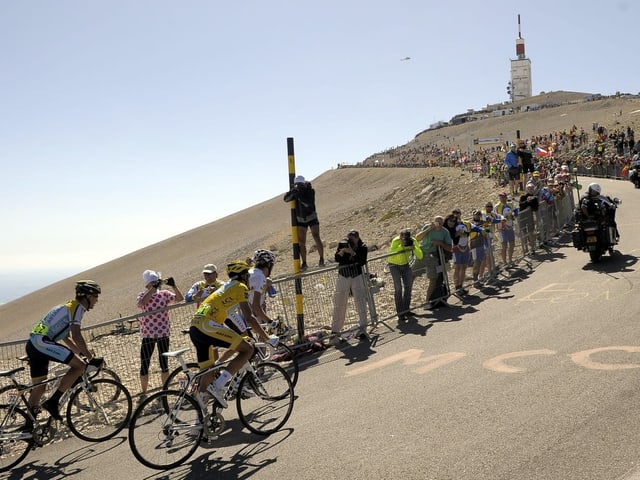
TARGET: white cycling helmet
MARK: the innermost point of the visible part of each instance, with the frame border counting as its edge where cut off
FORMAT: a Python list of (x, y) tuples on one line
[(263, 258), (595, 187)]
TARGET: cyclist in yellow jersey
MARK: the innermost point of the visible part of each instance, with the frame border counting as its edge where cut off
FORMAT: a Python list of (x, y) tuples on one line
[(208, 329), (61, 323)]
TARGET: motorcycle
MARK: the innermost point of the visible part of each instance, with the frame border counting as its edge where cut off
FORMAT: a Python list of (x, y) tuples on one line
[(597, 234)]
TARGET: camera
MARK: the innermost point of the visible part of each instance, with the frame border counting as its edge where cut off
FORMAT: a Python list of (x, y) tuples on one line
[(344, 243), (407, 241), (161, 281)]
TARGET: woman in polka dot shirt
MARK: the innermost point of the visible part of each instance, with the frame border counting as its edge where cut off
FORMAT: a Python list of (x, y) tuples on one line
[(155, 328)]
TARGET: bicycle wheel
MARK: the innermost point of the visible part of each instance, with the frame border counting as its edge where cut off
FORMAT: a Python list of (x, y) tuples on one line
[(99, 411), (165, 438), (16, 437), (265, 398)]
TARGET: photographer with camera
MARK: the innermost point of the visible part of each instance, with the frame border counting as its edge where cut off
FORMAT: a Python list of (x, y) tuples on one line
[(155, 328), (351, 255), (403, 248)]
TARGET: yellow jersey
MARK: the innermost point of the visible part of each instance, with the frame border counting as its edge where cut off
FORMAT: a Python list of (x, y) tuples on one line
[(213, 311)]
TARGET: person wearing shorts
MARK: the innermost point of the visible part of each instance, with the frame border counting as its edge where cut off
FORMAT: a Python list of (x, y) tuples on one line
[(306, 217), (461, 257), (60, 323), (526, 157), (507, 214), (208, 330), (479, 250)]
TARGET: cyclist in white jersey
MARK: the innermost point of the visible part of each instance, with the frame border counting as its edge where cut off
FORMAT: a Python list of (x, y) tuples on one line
[(60, 323), (258, 286)]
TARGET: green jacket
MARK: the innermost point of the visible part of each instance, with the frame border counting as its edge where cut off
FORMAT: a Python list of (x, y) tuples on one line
[(402, 253)]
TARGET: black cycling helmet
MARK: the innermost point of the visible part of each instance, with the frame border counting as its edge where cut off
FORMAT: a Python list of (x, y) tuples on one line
[(87, 287), (237, 268)]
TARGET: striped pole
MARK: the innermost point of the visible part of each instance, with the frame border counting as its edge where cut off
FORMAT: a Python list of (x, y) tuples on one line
[(294, 239)]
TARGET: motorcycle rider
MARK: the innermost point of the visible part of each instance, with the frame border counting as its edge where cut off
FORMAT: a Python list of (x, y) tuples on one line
[(600, 207)]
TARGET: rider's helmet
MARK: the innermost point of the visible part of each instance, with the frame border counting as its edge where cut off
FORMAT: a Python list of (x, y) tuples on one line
[(87, 287), (237, 269), (263, 258), (595, 187)]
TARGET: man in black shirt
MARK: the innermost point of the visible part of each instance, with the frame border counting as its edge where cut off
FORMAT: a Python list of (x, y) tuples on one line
[(351, 255)]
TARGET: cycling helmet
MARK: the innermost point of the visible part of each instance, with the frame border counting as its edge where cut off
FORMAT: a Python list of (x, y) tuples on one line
[(263, 258), (87, 287), (237, 268), (595, 187)]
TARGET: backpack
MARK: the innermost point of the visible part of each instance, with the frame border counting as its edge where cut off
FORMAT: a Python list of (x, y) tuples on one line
[(306, 200)]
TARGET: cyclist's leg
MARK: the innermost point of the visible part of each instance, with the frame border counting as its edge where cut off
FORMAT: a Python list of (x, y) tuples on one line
[(40, 350), (205, 348), (245, 350), (236, 323), (77, 367), (39, 365)]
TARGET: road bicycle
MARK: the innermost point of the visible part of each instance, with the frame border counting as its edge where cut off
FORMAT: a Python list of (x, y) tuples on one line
[(97, 409), (167, 427)]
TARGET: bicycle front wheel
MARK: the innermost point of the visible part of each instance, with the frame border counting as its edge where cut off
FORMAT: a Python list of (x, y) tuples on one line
[(265, 398), (99, 410), (16, 436), (163, 438)]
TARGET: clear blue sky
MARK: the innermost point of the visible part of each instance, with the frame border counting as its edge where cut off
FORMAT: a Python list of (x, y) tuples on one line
[(127, 122)]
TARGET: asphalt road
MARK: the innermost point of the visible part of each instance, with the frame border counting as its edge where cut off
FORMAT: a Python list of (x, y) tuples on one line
[(535, 379)]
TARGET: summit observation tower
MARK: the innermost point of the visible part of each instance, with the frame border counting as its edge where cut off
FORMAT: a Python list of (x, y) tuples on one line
[(520, 85)]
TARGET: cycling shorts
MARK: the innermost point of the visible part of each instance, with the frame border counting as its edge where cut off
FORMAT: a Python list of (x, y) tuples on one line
[(218, 337), (41, 350)]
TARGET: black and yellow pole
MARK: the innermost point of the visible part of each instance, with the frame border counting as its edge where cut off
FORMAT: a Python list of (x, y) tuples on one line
[(294, 239)]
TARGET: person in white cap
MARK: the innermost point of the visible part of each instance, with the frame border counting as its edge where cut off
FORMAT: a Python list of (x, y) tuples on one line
[(155, 328), (203, 288), (306, 217)]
